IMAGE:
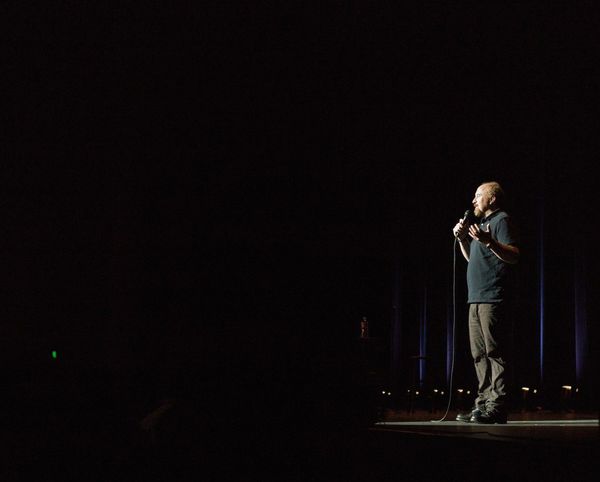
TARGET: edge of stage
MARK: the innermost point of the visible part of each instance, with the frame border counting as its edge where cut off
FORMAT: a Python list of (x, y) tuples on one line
[(546, 445), (554, 431)]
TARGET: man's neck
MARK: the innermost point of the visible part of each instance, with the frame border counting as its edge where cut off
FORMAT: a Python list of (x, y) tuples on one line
[(489, 212)]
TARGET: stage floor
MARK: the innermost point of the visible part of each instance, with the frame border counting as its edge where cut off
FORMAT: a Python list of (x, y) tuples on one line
[(546, 431), (551, 428), (542, 445)]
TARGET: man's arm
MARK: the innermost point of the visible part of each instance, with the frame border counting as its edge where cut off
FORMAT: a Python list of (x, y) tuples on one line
[(506, 252), (460, 232), (465, 247)]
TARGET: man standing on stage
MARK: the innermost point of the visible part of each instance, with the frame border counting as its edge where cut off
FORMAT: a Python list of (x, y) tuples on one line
[(490, 245)]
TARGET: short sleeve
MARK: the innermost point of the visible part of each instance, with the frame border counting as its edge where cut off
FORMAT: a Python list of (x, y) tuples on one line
[(506, 231)]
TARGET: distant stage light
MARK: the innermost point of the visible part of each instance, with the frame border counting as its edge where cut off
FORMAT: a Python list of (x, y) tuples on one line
[(567, 387), (54, 354), (525, 389)]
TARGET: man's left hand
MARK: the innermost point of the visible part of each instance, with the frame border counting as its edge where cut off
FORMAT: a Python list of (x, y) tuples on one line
[(483, 236)]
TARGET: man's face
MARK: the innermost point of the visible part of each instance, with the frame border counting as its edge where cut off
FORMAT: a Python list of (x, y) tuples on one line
[(482, 201)]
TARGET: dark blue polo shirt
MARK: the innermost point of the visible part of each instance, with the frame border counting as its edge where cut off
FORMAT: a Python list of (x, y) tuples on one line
[(489, 279)]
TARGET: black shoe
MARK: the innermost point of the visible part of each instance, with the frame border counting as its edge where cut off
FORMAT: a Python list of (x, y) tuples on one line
[(489, 417), (467, 417)]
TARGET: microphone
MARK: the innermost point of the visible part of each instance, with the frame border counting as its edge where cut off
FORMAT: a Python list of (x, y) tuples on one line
[(465, 218)]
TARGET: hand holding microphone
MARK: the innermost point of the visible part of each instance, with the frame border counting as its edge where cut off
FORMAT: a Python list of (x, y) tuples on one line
[(461, 230)]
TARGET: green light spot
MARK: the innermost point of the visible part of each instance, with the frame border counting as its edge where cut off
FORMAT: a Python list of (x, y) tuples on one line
[(54, 354)]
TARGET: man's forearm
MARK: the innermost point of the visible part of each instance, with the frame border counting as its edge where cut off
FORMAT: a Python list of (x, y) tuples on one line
[(465, 247), (506, 252)]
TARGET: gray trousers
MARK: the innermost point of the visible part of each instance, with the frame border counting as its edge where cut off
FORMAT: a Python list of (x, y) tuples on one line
[(488, 336)]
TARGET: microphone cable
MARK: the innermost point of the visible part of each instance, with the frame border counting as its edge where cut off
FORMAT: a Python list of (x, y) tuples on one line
[(453, 332)]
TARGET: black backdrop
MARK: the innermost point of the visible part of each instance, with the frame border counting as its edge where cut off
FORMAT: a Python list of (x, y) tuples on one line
[(223, 190)]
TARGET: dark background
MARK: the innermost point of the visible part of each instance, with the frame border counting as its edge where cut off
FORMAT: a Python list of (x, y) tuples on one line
[(203, 199)]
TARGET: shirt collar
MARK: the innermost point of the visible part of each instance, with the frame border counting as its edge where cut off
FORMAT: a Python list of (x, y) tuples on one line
[(497, 211)]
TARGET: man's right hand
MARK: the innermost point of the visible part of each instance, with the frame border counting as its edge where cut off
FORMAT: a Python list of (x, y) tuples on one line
[(461, 230)]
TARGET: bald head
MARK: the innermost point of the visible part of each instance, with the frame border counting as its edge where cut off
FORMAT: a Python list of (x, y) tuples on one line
[(489, 197), (493, 189)]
